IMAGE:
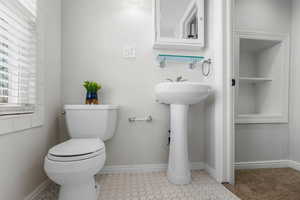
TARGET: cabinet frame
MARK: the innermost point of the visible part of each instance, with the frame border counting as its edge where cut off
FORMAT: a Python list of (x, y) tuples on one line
[(165, 43)]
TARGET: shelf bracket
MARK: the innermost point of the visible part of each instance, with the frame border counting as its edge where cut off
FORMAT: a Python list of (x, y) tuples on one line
[(162, 63), (192, 65)]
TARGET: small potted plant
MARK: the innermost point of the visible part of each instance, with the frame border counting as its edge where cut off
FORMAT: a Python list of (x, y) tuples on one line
[(92, 89)]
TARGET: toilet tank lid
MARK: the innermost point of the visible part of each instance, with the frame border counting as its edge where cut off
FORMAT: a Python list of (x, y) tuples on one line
[(91, 107)]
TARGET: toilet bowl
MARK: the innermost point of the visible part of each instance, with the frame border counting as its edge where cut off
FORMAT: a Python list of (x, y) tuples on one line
[(74, 169), (74, 163)]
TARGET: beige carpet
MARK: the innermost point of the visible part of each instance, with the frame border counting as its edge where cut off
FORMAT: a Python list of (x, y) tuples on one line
[(153, 186), (267, 184)]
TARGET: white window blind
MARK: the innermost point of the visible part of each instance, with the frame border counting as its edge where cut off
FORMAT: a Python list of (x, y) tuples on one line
[(17, 56), (30, 5)]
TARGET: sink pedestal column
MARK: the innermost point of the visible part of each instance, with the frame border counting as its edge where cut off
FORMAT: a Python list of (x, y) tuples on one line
[(179, 165)]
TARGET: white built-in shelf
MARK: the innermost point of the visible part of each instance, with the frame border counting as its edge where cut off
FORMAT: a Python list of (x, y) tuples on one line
[(262, 68), (254, 80), (260, 118)]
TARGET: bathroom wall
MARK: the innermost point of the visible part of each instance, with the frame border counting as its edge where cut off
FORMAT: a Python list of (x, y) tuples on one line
[(264, 141), (264, 15), (295, 82), (94, 35), (22, 153)]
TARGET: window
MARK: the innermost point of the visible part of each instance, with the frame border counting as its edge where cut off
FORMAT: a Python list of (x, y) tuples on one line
[(30, 5), (18, 39)]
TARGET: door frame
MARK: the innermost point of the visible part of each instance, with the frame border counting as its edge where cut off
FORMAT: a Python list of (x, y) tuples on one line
[(229, 141)]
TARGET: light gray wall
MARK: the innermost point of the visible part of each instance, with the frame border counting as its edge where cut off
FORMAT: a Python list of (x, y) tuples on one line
[(22, 153), (262, 142), (265, 141), (295, 82), (264, 15), (94, 34)]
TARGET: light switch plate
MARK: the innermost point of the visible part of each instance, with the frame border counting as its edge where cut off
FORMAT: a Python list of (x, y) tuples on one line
[(129, 52)]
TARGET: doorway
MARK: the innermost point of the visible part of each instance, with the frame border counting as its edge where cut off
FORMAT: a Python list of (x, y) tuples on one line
[(258, 45)]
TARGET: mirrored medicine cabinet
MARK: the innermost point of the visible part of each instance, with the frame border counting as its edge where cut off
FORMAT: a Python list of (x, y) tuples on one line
[(179, 24)]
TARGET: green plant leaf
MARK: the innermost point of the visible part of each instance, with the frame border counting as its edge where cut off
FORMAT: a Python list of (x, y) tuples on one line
[(91, 86)]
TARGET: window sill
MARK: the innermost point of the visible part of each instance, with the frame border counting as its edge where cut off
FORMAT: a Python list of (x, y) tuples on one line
[(16, 113), (14, 123)]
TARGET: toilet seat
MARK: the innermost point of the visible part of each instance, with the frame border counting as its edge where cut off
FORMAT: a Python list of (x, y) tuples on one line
[(76, 150)]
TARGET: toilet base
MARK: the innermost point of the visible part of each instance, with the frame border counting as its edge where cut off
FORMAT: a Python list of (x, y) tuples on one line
[(86, 190)]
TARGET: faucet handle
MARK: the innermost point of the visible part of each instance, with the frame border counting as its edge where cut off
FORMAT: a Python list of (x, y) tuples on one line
[(180, 79)]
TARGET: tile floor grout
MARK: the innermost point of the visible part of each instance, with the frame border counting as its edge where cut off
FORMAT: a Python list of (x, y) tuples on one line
[(152, 186)]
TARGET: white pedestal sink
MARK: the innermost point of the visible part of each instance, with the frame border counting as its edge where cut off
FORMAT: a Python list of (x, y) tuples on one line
[(180, 95)]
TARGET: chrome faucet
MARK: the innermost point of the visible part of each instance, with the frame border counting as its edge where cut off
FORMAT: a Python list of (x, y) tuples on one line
[(178, 79)]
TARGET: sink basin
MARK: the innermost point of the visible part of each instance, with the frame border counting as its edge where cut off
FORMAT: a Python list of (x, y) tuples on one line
[(180, 95), (186, 93)]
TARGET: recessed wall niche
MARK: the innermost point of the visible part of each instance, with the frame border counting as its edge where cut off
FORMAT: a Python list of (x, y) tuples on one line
[(262, 68)]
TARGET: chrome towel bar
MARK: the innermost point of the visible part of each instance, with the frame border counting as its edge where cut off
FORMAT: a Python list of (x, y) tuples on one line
[(135, 119)]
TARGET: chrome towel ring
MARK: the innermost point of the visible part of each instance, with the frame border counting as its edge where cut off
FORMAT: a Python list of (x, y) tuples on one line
[(208, 63)]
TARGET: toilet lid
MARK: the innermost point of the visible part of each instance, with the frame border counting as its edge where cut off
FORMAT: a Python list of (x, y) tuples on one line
[(77, 147)]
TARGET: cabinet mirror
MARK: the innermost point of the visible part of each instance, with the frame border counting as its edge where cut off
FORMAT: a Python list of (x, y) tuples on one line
[(179, 24)]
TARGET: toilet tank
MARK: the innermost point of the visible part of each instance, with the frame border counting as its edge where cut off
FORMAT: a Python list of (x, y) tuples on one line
[(91, 121)]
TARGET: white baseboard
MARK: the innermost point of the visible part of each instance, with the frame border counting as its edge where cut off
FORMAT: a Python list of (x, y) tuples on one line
[(294, 164), (33, 195), (262, 164), (197, 166), (145, 168), (211, 171), (133, 168), (269, 164)]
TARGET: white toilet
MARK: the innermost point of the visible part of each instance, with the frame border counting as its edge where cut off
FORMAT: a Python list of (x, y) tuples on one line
[(74, 163)]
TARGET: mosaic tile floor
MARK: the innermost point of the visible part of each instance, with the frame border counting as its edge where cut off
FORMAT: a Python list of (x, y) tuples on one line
[(152, 186)]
